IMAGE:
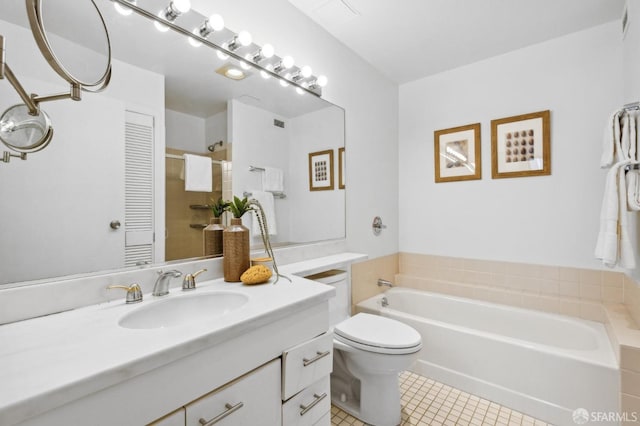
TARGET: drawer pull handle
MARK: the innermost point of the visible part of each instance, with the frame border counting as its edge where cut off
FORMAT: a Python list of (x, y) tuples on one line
[(230, 410), (318, 356), (318, 398)]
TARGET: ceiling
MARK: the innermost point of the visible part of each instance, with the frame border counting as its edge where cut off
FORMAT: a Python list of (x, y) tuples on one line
[(410, 39)]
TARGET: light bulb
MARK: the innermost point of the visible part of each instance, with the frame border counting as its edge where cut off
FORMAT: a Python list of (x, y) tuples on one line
[(182, 6), (216, 22), (244, 65), (161, 27), (267, 51), (124, 10), (244, 38), (322, 81), (265, 74), (287, 62), (193, 41), (306, 71), (299, 91), (221, 55)]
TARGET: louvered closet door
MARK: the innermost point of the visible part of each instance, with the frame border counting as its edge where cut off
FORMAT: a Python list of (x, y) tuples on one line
[(139, 189)]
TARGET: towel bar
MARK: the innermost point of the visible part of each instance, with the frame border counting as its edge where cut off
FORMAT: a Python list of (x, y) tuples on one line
[(275, 194)]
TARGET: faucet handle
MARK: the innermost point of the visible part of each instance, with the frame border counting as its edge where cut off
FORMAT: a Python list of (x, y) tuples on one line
[(134, 293), (189, 282)]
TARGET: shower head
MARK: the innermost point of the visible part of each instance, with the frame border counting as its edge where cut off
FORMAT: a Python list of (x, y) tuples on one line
[(212, 147)]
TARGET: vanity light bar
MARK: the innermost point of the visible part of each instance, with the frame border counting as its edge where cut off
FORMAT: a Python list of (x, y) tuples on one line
[(306, 84)]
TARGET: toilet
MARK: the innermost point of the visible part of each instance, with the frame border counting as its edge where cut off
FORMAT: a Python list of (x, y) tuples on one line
[(369, 353)]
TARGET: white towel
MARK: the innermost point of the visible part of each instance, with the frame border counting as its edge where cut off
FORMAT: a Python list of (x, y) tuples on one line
[(266, 201), (614, 246), (611, 140), (198, 175), (633, 190), (633, 178), (272, 180)]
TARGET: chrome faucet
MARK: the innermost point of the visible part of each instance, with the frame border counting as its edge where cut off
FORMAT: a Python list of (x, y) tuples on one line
[(161, 287), (384, 283)]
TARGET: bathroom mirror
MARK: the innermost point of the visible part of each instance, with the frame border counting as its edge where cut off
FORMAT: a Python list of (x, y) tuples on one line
[(58, 208), (23, 132), (57, 25)]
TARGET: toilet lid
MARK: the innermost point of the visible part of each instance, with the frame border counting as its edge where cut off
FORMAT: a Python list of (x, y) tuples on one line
[(378, 334)]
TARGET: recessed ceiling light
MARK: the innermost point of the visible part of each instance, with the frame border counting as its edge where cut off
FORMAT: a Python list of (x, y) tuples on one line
[(233, 72)]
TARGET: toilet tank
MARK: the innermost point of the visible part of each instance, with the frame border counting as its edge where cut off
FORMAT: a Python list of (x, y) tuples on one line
[(340, 305)]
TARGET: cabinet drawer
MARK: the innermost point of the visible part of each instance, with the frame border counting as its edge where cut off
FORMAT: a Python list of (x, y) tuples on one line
[(306, 363), (324, 420), (251, 400), (174, 419), (308, 407)]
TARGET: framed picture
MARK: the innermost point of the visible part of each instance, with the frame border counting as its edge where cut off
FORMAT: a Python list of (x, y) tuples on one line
[(321, 170), (457, 153), (520, 146), (341, 168)]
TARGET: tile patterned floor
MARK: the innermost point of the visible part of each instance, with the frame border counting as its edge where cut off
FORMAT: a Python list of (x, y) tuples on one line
[(427, 402)]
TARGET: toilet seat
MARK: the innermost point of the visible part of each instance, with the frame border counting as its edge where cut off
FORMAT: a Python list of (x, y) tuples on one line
[(373, 333)]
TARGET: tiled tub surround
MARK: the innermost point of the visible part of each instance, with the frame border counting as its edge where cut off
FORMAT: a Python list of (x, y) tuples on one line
[(543, 364), (568, 291), (605, 296)]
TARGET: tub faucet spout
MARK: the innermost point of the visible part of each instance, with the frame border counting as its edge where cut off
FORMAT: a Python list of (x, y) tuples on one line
[(161, 287), (384, 283)]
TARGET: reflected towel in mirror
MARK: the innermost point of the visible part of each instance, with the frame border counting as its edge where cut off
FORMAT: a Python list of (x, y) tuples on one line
[(273, 180), (198, 174)]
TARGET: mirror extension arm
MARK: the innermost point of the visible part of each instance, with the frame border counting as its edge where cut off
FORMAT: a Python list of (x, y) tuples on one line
[(31, 101)]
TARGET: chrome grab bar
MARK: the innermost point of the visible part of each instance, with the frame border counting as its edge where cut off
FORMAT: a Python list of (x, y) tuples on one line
[(230, 409), (318, 356)]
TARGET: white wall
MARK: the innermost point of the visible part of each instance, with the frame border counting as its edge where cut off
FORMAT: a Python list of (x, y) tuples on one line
[(631, 60), (547, 220), (257, 142), (369, 99), (215, 129), (185, 132), (318, 215)]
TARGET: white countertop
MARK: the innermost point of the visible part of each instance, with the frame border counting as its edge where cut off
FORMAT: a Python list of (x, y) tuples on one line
[(48, 361)]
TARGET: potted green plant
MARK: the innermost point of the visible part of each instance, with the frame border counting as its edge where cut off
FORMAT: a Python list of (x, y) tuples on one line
[(212, 234), (235, 241)]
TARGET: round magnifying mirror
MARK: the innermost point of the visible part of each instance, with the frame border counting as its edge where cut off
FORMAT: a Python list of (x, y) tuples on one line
[(24, 132), (73, 37)]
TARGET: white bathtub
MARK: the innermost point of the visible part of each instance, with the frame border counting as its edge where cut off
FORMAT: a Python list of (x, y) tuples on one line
[(542, 364)]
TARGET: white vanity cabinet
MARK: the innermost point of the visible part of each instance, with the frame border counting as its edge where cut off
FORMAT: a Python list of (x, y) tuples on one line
[(177, 418), (253, 399), (306, 393)]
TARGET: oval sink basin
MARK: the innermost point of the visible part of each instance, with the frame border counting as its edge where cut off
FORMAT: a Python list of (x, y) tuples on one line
[(181, 310)]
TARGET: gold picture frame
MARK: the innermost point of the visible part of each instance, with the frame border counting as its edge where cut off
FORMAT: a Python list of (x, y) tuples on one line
[(321, 170), (341, 168), (457, 153), (521, 145)]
